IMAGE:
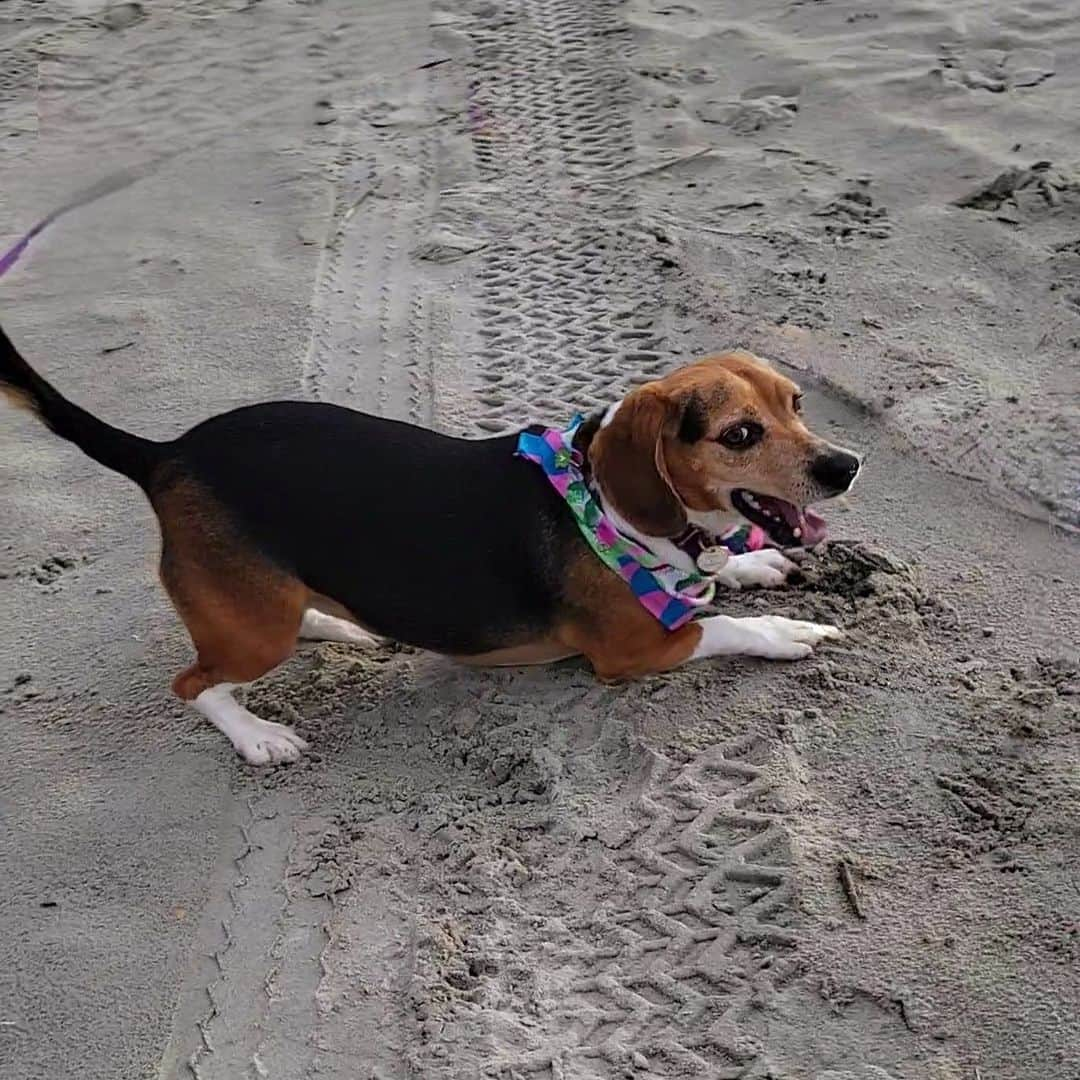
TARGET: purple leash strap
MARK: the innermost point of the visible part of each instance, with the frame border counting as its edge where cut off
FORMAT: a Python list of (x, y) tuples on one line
[(96, 191)]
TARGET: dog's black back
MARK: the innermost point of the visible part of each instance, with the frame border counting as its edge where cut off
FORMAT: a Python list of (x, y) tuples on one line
[(449, 544)]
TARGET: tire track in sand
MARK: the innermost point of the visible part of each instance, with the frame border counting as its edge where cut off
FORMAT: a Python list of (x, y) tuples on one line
[(369, 349), (562, 282), (660, 976), (697, 926)]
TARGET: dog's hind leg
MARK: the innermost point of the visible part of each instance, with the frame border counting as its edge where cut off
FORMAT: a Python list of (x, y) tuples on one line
[(243, 614), (257, 741), (318, 626)]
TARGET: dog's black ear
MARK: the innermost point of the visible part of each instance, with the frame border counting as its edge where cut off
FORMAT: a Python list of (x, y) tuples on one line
[(694, 421)]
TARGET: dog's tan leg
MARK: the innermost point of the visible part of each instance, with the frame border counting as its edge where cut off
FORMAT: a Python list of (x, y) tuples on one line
[(243, 614), (618, 654), (623, 641)]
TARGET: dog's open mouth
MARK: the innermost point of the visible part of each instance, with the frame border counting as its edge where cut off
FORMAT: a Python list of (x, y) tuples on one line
[(785, 523)]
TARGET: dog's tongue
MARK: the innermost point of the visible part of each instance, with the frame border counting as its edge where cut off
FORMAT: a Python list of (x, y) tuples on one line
[(811, 525), (813, 528)]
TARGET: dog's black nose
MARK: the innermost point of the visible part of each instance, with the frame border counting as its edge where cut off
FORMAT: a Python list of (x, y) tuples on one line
[(835, 470)]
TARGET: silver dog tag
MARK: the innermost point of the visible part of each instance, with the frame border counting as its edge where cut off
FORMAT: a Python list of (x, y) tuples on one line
[(713, 560)]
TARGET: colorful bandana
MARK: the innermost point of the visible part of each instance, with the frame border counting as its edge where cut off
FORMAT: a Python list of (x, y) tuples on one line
[(672, 595)]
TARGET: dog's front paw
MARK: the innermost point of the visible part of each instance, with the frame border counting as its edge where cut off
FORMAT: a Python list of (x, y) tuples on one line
[(267, 743), (767, 568), (777, 638)]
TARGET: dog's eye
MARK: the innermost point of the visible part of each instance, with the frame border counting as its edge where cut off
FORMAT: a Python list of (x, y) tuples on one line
[(796, 403), (740, 436)]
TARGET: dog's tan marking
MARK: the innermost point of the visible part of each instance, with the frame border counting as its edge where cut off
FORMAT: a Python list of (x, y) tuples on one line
[(243, 613), (610, 627), (20, 399)]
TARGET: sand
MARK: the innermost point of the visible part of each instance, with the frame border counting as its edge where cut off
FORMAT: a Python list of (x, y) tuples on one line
[(859, 867)]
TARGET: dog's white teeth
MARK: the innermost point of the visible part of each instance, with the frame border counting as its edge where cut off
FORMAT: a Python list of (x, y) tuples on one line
[(796, 532)]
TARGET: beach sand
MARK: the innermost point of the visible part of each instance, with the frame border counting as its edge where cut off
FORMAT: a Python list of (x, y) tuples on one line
[(470, 214)]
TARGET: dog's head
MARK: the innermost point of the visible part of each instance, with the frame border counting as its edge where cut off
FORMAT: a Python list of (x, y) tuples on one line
[(724, 434)]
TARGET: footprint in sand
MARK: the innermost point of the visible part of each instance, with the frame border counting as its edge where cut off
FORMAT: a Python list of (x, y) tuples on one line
[(48, 573), (1020, 194), (852, 215), (758, 108), (993, 70)]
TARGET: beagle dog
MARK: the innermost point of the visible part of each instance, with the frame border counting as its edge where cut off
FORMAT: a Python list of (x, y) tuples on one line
[(296, 519)]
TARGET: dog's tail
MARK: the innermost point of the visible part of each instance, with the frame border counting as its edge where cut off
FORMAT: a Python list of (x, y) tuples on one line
[(128, 454)]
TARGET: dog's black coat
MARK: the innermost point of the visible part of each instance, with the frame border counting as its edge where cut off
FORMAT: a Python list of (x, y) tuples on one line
[(449, 544)]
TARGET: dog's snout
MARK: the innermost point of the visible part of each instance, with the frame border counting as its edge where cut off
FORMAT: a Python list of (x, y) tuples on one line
[(835, 470)]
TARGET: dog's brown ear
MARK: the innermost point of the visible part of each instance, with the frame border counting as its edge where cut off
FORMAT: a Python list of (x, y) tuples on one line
[(627, 457)]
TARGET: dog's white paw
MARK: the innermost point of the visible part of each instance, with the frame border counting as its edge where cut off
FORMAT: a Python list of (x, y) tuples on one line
[(766, 567), (266, 743), (777, 638), (257, 741)]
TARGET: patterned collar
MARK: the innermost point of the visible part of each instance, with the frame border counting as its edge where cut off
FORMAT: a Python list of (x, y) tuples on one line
[(672, 595)]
